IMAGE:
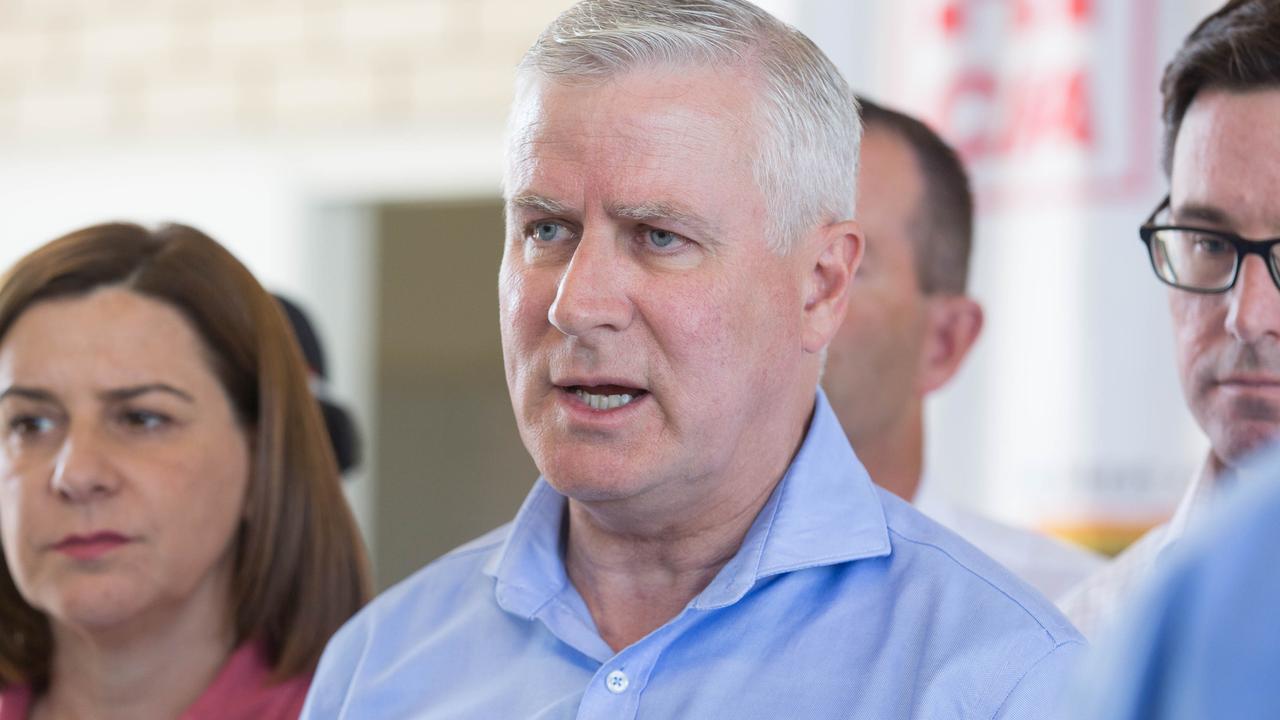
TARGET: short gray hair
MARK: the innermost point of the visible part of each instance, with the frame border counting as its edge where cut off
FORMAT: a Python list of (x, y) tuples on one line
[(807, 157)]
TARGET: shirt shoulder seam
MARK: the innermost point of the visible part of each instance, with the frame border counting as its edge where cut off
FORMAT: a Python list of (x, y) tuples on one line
[(1053, 638), (1030, 668)]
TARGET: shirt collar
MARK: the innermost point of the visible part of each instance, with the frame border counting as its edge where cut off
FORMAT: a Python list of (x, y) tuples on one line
[(1198, 496), (529, 566), (824, 511)]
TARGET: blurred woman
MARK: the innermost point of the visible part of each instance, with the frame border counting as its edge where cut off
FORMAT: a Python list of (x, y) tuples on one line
[(176, 543)]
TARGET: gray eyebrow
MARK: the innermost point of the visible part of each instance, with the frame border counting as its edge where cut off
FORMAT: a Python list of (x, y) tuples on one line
[(659, 210), (653, 211), (539, 202)]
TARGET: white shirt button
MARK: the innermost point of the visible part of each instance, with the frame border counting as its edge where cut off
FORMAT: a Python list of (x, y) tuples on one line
[(617, 682)]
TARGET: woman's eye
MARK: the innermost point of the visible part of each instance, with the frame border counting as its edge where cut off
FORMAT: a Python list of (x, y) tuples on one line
[(143, 419), (30, 425)]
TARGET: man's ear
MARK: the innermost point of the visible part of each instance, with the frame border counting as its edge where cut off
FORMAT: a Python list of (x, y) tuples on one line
[(829, 272), (954, 323)]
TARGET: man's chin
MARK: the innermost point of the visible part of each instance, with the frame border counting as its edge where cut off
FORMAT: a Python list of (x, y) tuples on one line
[(595, 485), (1237, 443)]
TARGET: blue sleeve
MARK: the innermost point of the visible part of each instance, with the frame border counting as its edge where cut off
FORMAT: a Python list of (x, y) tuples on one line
[(1204, 641), (1042, 693), (333, 682)]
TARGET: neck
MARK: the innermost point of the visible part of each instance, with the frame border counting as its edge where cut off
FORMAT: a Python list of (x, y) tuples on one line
[(637, 565), (154, 668), (634, 583), (1215, 471), (894, 455)]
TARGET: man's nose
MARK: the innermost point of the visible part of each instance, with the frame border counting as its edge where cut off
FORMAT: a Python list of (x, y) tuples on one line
[(82, 470), (592, 294), (1255, 302)]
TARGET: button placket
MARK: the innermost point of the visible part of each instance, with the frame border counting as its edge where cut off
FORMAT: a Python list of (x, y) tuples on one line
[(626, 676)]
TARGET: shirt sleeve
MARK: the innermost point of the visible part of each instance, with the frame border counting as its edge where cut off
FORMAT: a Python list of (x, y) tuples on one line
[(335, 676), (1043, 692)]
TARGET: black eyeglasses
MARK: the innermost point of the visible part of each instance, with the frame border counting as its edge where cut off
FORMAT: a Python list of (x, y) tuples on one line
[(1200, 260)]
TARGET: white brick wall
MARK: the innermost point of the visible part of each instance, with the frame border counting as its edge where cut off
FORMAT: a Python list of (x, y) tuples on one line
[(89, 70)]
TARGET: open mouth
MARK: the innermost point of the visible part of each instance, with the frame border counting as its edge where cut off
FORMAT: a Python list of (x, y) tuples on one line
[(606, 397)]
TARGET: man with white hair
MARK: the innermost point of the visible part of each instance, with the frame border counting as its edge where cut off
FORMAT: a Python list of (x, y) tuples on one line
[(702, 542)]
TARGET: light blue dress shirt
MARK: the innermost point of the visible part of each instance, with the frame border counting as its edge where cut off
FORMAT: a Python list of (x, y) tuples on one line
[(843, 602), (1204, 641)]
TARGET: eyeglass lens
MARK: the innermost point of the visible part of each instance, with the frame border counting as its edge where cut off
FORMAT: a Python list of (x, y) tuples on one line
[(1197, 260)]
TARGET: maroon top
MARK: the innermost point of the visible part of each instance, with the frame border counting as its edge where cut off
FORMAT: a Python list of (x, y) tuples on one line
[(241, 691)]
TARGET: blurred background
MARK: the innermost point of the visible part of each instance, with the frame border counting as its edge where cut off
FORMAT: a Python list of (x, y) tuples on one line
[(349, 151)]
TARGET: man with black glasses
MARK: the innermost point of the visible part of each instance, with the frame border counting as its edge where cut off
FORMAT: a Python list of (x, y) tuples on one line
[(1211, 241)]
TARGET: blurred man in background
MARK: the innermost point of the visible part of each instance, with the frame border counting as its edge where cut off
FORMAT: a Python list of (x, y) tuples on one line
[(909, 327), (1211, 241)]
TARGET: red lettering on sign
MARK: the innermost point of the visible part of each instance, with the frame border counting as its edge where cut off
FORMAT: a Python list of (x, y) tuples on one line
[(987, 118), (970, 94), (1024, 14), (952, 18), (1082, 11), (1077, 110)]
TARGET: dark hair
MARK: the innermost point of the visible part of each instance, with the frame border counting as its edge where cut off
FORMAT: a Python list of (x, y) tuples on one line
[(339, 422), (942, 226), (300, 570), (1237, 48)]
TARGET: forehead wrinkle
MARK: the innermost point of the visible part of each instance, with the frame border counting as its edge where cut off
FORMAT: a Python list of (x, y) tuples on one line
[(689, 133), (528, 147)]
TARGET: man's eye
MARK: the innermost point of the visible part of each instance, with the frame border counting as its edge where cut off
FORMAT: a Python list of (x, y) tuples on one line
[(548, 232), (1208, 245), (663, 239)]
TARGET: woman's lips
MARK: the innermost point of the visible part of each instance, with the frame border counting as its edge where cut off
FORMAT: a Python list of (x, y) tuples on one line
[(92, 546)]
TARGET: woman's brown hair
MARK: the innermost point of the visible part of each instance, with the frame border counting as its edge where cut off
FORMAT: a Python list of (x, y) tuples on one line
[(300, 570)]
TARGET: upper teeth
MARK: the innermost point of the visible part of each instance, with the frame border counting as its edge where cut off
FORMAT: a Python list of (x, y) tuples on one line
[(603, 402)]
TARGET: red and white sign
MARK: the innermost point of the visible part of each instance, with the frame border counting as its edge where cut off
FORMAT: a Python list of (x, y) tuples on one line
[(1045, 99)]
